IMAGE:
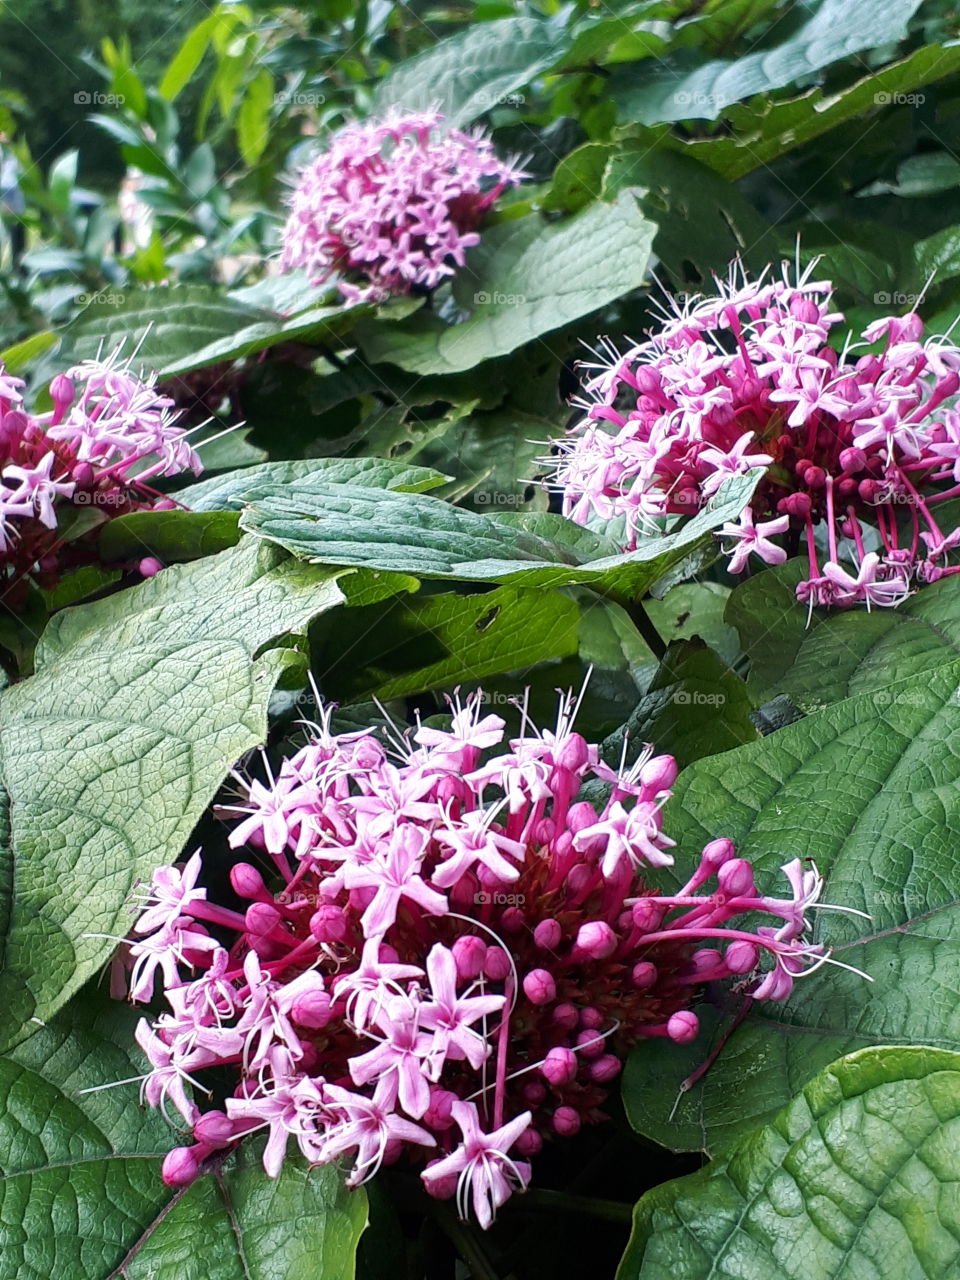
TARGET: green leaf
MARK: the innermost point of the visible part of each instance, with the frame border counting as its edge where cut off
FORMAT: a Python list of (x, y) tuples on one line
[(835, 654), (253, 118), (17, 357), (81, 1193), (422, 535), (870, 790), (854, 1179), (188, 57), (525, 278), (474, 71), (696, 609), (375, 473), (926, 174), (695, 706), (112, 751), (171, 536), (701, 218), (410, 645), (187, 326), (685, 88)]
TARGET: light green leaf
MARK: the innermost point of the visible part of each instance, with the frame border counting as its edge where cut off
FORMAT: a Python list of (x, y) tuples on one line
[(472, 72), (527, 277), (685, 88), (376, 473), (411, 645), (835, 654), (422, 535), (853, 1180), (81, 1194), (870, 790), (112, 751), (171, 536)]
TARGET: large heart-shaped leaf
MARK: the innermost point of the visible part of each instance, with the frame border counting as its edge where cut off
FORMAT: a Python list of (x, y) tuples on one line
[(81, 1194), (112, 751), (476, 70), (684, 88), (834, 654), (422, 535), (854, 1179), (526, 278), (870, 790)]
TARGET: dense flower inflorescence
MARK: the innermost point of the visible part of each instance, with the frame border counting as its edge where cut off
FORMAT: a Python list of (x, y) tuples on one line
[(106, 435), (857, 445), (449, 953), (392, 204)]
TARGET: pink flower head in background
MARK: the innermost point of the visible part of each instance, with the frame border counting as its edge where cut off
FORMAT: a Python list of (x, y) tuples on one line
[(392, 204), (446, 956), (109, 432), (857, 446)]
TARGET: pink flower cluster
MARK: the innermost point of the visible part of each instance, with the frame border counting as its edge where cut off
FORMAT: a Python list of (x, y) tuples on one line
[(106, 435), (857, 445), (390, 205), (439, 950)]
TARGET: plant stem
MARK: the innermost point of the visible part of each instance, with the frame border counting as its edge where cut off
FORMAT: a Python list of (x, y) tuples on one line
[(560, 1201), (465, 1243), (641, 620)]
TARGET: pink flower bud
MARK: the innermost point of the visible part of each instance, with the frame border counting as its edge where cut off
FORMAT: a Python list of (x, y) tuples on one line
[(181, 1166), (437, 1114), (214, 1129), (529, 1143), (150, 566), (706, 960), (533, 1092), (469, 953), (512, 920), (566, 1016), (597, 939), (444, 1188), (574, 754), (853, 459), (83, 474), (566, 1121), (590, 1044), (496, 964), (247, 880), (559, 1066), (741, 956), (717, 852), (591, 1018), (262, 918), (581, 815), (539, 986), (659, 774), (647, 914), (604, 1069), (329, 924), (463, 893), (736, 878), (644, 975), (312, 1009), (62, 391), (580, 876), (547, 935), (682, 1027)]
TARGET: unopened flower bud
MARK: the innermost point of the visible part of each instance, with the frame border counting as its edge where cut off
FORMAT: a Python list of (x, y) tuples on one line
[(581, 815), (559, 1066), (644, 975), (591, 1018), (529, 1143), (590, 1044), (604, 1069), (181, 1166), (214, 1129), (736, 878), (547, 934), (150, 566), (512, 920), (312, 1009), (646, 914), (329, 924), (659, 774), (437, 1114), (741, 956), (539, 986), (717, 852), (247, 880), (496, 964), (683, 1026), (566, 1121), (565, 1016), (444, 1188), (853, 459), (533, 1092), (469, 953), (597, 939)]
